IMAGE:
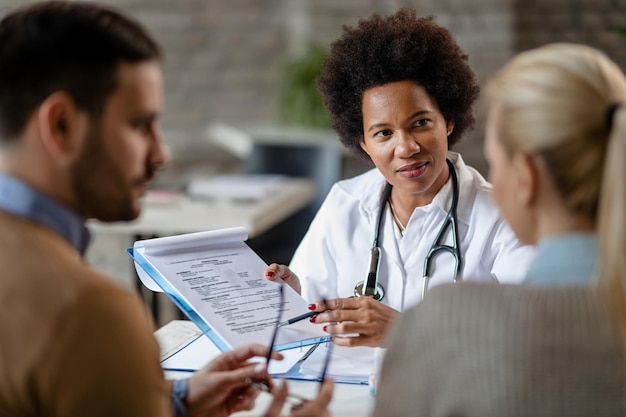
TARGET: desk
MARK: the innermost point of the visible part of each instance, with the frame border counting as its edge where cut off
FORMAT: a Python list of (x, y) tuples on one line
[(348, 400), (185, 215)]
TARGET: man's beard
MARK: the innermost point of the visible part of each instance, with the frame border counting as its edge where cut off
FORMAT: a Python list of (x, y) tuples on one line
[(101, 190)]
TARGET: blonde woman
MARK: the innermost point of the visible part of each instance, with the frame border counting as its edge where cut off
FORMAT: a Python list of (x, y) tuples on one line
[(556, 143)]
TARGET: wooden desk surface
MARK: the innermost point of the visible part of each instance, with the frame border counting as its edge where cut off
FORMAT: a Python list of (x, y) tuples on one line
[(182, 214)]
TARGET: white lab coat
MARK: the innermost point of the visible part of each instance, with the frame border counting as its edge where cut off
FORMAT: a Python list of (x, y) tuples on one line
[(333, 255)]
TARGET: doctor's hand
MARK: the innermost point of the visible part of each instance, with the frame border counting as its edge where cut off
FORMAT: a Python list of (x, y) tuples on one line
[(313, 408), (220, 388), (275, 271), (363, 315)]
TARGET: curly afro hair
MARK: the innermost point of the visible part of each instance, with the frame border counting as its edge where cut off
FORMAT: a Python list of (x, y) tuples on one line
[(398, 47)]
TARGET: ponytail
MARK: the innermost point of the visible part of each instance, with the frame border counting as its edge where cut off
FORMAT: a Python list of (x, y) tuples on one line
[(612, 218)]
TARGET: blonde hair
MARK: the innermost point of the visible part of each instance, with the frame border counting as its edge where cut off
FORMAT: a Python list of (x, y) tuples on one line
[(565, 104)]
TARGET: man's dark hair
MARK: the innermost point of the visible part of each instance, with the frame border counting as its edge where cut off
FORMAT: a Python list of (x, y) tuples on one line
[(384, 49), (64, 46)]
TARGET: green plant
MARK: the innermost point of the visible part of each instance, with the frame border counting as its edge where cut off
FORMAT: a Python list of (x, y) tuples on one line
[(301, 103), (619, 29)]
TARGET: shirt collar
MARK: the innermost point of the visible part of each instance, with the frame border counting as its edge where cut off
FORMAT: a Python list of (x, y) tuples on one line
[(20, 199), (568, 259)]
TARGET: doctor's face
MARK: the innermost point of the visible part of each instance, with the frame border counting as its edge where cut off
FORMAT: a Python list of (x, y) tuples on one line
[(406, 136)]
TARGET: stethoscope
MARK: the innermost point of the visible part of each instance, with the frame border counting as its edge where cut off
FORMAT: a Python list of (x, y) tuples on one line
[(371, 288)]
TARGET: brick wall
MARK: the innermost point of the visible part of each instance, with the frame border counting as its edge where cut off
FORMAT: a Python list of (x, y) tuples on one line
[(224, 57)]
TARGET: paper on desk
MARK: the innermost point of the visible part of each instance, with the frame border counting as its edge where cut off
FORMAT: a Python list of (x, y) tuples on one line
[(237, 186), (175, 335), (192, 356), (184, 348), (201, 351), (347, 364)]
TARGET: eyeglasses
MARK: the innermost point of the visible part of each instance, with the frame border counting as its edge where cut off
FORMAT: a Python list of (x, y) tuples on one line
[(262, 383)]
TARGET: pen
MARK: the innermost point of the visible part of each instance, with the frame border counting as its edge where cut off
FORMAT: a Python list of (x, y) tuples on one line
[(298, 318)]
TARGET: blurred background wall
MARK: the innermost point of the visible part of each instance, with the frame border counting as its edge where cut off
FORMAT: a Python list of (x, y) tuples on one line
[(225, 59)]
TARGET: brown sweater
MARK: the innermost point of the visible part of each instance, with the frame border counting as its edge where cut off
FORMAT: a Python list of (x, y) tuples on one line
[(496, 350), (72, 343)]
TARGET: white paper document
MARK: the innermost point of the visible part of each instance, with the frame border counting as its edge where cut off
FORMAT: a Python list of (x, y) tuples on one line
[(175, 336), (201, 351), (352, 365), (185, 348), (217, 281)]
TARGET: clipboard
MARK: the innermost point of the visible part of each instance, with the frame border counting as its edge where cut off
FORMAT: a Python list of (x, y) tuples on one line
[(217, 281)]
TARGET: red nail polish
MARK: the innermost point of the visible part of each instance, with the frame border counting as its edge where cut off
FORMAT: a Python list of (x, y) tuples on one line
[(312, 319), (270, 274), (311, 306), (324, 328)]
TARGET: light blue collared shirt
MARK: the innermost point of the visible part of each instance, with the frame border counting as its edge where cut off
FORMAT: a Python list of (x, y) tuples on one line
[(569, 259), (20, 199)]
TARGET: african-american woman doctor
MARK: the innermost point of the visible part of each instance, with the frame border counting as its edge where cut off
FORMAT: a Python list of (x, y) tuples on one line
[(400, 93)]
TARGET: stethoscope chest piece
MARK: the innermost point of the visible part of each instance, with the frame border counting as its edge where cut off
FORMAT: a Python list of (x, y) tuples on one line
[(360, 291)]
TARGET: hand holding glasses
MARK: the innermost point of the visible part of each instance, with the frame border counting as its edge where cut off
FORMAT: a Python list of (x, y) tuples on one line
[(263, 384)]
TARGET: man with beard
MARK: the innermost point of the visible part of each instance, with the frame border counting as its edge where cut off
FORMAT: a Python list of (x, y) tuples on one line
[(80, 97)]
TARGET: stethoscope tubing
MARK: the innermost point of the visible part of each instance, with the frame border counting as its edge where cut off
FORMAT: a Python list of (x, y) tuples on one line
[(437, 246), (371, 288)]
